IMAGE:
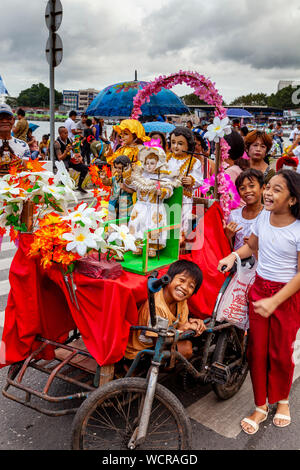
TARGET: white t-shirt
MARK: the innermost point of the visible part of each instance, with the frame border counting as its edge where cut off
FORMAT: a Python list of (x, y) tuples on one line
[(237, 217), (277, 248), (19, 147), (70, 124), (293, 134)]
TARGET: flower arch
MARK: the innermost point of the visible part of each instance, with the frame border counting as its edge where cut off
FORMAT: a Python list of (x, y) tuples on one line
[(206, 91)]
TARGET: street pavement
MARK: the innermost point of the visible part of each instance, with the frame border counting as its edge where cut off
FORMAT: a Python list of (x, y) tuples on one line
[(215, 423)]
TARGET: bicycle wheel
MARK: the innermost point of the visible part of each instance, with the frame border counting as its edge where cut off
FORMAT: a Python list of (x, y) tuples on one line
[(226, 352), (108, 417)]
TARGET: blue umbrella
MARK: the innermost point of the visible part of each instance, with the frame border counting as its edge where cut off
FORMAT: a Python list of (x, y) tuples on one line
[(158, 126), (32, 126), (238, 113), (117, 100)]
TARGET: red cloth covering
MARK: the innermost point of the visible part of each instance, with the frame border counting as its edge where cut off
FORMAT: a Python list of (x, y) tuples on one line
[(35, 306), (39, 301), (209, 247)]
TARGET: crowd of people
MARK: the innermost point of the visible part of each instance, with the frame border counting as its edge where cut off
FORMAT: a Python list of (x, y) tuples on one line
[(266, 224)]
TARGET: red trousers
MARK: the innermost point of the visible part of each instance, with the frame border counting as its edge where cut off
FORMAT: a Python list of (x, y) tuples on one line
[(271, 343)]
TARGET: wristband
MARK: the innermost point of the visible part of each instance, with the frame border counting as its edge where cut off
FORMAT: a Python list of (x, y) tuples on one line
[(236, 255)]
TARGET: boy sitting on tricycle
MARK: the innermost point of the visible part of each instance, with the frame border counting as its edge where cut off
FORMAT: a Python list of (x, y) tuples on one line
[(170, 303)]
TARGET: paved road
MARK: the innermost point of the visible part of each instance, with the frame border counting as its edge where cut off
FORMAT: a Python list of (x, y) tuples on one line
[(215, 423)]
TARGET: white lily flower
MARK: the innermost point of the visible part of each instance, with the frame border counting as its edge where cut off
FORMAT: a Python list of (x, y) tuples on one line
[(101, 243), (218, 129), (55, 191), (63, 176), (34, 176), (80, 239), (83, 214), (6, 188), (122, 235)]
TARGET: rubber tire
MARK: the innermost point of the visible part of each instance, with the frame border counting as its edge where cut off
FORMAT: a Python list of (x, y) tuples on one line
[(167, 398), (224, 392)]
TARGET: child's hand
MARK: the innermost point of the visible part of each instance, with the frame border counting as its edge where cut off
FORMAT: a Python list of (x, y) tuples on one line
[(197, 325), (187, 181), (228, 262), (265, 307), (231, 229)]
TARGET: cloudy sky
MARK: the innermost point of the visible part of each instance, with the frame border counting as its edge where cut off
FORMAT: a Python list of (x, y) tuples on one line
[(242, 45)]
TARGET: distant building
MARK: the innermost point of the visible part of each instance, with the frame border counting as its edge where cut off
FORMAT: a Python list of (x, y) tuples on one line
[(85, 97), (285, 83), (78, 100), (71, 99)]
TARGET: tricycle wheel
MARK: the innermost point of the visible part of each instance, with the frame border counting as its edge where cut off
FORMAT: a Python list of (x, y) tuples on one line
[(107, 419), (226, 352)]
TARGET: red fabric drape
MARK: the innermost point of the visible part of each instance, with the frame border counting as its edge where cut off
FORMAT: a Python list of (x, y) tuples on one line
[(39, 301), (210, 246)]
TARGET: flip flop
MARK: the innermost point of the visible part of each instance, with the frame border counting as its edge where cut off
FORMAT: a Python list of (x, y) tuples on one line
[(254, 424), (281, 416)]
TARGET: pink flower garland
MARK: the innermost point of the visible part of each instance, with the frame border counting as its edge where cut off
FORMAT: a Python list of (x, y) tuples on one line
[(206, 91)]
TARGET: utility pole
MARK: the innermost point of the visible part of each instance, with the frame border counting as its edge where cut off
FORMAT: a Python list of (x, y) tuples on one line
[(54, 53)]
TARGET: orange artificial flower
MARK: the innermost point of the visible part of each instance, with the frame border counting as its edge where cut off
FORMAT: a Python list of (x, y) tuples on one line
[(35, 165)]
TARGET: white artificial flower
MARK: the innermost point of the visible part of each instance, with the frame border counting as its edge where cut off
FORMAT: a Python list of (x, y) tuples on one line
[(80, 239), (55, 191), (218, 129), (6, 188), (101, 243), (122, 235), (63, 176), (83, 214), (34, 176)]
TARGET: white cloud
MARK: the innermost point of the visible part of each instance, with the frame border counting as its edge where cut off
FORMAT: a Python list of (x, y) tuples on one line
[(242, 45)]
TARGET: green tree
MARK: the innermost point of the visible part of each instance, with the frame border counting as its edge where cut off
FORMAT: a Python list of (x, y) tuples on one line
[(283, 98), (252, 99), (193, 99), (37, 96)]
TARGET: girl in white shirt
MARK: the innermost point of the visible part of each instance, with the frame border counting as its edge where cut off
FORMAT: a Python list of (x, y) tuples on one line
[(274, 298), (250, 185)]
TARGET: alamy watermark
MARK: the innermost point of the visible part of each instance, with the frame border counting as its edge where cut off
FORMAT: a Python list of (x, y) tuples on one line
[(296, 94)]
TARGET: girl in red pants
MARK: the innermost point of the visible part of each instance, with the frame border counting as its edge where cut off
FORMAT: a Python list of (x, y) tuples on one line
[(274, 307)]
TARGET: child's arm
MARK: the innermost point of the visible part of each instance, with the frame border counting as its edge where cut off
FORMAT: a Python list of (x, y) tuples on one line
[(230, 230), (245, 251), (125, 188), (265, 307)]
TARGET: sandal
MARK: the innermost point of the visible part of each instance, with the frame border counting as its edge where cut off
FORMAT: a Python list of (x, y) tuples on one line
[(281, 416), (253, 423)]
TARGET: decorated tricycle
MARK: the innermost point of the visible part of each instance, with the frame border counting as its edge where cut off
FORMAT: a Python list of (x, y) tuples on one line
[(80, 276)]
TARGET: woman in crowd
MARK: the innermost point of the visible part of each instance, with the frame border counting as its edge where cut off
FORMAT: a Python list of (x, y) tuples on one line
[(258, 144), (236, 161)]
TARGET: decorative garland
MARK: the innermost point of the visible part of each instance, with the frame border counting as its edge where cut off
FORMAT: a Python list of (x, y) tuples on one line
[(206, 91)]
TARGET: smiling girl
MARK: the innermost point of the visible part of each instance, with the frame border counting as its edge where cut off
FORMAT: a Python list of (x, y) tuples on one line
[(274, 308)]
